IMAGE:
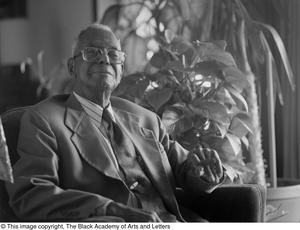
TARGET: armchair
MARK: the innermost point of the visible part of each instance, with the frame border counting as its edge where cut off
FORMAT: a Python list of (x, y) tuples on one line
[(228, 203)]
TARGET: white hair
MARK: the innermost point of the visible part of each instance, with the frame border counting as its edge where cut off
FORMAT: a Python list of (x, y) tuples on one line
[(94, 26)]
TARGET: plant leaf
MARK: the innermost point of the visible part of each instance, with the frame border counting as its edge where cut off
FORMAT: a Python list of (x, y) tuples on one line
[(222, 129), (159, 59), (228, 147), (169, 35), (177, 119), (158, 97), (180, 126), (221, 44), (141, 87), (133, 85), (170, 116), (206, 68), (209, 51), (277, 39), (111, 15), (241, 125), (211, 110), (223, 96), (180, 45), (245, 141), (175, 65), (236, 78), (223, 57), (240, 100), (230, 172), (275, 77), (282, 51), (243, 11), (165, 79), (277, 83), (233, 145)]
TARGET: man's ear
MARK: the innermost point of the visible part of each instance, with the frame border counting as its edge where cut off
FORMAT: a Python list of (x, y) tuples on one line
[(71, 66)]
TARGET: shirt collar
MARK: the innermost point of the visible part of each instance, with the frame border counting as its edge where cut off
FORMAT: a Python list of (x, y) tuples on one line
[(92, 109)]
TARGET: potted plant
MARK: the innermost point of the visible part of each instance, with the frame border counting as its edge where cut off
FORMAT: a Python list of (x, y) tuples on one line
[(142, 24), (197, 90), (248, 41)]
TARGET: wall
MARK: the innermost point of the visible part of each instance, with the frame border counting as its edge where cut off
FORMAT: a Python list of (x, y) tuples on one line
[(14, 40), (291, 110), (54, 25), (50, 26)]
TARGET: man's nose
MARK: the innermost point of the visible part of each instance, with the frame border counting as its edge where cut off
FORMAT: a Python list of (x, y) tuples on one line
[(104, 59)]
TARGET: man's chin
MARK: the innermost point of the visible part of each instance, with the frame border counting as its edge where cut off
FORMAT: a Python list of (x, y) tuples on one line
[(107, 86)]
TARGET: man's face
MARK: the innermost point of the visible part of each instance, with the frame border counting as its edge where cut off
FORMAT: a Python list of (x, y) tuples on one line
[(96, 78)]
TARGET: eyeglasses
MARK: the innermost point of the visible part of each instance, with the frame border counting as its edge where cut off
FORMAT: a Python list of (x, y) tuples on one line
[(93, 54)]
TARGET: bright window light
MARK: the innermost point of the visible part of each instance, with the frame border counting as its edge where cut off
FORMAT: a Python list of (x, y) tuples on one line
[(149, 54), (144, 16), (153, 45), (147, 30), (200, 80), (161, 27), (154, 84), (206, 84), (198, 77)]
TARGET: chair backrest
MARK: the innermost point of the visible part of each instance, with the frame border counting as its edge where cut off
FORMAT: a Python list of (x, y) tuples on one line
[(11, 125)]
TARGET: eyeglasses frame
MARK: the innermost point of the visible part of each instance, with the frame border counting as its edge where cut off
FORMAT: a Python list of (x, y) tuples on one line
[(81, 53)]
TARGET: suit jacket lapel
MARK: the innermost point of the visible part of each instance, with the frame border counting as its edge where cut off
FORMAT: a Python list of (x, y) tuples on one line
[(149, 150), (88, 140)]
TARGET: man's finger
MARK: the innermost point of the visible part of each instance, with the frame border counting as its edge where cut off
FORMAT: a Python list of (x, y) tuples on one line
[(215, 165), (199, 151), (194, 159), (208, 175), (197, 165)]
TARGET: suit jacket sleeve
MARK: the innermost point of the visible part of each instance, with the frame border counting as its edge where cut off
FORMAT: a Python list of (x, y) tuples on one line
[(36, 193)]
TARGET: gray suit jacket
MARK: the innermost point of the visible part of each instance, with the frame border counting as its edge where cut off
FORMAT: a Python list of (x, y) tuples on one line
[(65, 171)]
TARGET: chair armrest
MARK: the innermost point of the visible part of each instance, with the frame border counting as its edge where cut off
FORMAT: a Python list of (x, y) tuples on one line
[(228, 203)]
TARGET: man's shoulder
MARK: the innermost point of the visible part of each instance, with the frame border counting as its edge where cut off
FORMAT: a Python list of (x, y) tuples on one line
[(49, 106)]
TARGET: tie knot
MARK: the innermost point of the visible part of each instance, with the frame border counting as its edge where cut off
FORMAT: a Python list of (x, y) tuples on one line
[(106, 115)]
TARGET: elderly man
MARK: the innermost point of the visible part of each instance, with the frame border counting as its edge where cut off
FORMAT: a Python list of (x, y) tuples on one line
[(90, 155)]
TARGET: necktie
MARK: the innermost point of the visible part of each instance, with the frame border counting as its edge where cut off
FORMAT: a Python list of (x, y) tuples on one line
[(123, 149), (121, 144), (113, 130)]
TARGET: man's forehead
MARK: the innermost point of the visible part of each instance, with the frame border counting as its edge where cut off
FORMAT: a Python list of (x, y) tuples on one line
[(99, 37)]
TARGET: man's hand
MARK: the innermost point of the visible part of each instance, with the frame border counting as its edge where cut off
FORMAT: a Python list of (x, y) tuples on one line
[(206, 164), (131, 214)]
